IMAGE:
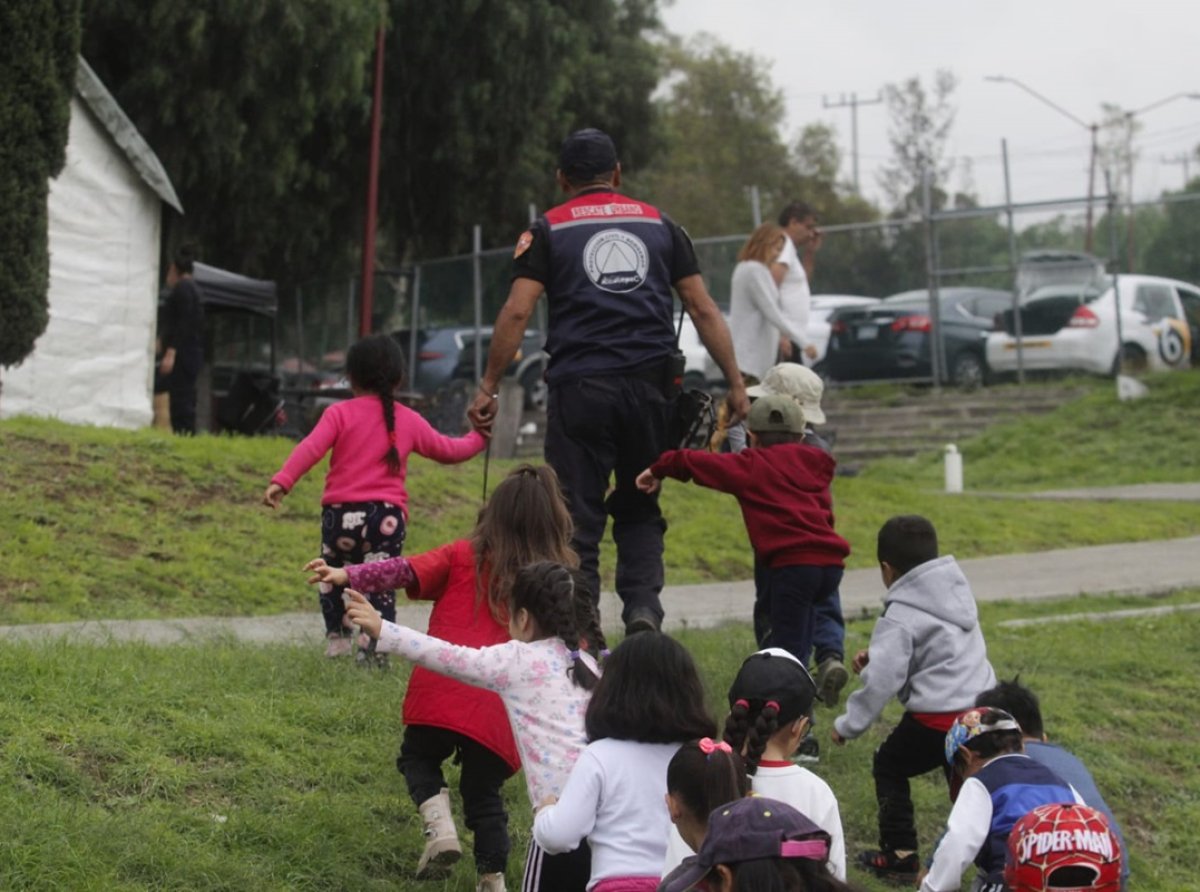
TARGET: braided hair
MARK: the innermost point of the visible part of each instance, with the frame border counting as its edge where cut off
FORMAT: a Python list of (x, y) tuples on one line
[(748, 732), (376, 365), (548, 592)]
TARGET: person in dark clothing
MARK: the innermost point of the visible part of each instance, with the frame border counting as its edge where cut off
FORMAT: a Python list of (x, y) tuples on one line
[(607, 264), (182, 340)]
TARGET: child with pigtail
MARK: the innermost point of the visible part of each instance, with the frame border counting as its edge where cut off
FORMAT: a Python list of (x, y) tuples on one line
[(364, 509), (544, 677), (469, 582), (770, 703)]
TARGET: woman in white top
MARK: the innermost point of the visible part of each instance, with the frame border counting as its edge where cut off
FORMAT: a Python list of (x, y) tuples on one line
[(756, 317)]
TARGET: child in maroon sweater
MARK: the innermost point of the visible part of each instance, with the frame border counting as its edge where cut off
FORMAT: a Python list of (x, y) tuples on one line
[(782, 486)]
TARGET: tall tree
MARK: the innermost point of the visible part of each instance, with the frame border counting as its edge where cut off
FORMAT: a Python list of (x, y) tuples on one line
[(258, 112), (37, 78), (721, 121), (479, 97), (920, 122)]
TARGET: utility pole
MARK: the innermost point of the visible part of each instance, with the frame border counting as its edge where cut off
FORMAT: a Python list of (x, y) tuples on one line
[(1183, 158), (367, 297), (853, 103)]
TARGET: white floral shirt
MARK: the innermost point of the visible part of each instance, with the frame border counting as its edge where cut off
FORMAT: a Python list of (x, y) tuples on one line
[(545, 706)]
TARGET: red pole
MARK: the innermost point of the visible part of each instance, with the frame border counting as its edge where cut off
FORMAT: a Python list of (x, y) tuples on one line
[(367, 292)]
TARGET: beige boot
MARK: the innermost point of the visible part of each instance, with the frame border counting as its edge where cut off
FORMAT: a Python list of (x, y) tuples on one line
[(441, 839), (490, 882)]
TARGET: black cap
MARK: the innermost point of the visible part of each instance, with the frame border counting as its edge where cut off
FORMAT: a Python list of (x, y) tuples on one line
[(587, 154), (774, 675)]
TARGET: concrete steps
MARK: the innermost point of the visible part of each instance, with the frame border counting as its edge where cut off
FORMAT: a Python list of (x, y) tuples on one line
[(923, 421), (904, 424)]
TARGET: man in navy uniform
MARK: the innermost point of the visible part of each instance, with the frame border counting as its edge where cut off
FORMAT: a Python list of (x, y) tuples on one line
[(607, 264)]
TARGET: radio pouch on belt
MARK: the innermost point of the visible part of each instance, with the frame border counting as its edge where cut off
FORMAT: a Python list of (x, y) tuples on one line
[(692, 417)]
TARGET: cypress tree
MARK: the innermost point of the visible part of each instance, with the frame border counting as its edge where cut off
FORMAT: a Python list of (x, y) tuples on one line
[(37, 77)]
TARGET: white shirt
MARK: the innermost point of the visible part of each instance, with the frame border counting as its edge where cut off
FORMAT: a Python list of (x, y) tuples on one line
[(794, 293), (545, 706), (616, 797), (803, 791), (756, 318)]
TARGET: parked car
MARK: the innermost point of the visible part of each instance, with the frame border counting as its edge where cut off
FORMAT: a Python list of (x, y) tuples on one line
[(1074, 328), (819, 328), (893, 338)]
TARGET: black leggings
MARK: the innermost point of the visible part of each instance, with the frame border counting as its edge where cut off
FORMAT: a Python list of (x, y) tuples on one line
[(422, 753), (352, 533)]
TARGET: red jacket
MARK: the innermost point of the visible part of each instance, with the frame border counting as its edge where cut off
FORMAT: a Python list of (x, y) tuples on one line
[(447, 577), (784, 495)]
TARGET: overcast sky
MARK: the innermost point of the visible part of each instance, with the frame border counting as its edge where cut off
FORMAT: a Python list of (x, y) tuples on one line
[(1077, 53)]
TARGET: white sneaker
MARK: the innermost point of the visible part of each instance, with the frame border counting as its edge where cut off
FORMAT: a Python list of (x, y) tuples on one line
[(490, 882), (339, 645)]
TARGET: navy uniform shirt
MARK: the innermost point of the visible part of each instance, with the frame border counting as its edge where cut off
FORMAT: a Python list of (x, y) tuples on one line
[(607, 262)]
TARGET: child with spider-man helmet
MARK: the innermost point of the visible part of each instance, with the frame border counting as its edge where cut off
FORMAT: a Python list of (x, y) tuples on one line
[(1057, 848)]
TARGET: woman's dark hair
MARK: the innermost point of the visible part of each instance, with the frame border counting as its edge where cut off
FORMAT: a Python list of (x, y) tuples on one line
[(550, 593), (906, 541), (650, 693), (376, 365), (785, 875), (524, 521), (703, 781), (747, 730), (184, 259)]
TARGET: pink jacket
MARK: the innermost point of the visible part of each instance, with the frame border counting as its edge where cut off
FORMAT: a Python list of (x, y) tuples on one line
[(355, 431)]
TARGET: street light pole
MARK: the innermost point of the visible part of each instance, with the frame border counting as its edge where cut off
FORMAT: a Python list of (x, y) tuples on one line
[(1094, 128)]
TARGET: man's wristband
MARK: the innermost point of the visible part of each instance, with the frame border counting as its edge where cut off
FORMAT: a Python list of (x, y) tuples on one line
[(486, 392)]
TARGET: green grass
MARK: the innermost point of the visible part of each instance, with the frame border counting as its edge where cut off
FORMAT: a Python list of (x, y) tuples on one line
[(106, 524), (227, 766)]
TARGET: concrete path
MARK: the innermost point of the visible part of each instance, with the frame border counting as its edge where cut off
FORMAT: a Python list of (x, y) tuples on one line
[(1140, 568), (1144, 492)]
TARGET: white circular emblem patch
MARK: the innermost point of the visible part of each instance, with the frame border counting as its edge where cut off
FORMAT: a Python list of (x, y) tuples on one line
[(616, 260)]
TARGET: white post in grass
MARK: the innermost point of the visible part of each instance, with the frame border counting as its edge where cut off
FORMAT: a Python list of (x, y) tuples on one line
[(953, 468)]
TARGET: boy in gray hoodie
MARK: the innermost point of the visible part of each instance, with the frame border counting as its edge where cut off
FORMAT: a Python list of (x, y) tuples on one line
[(928, 651)]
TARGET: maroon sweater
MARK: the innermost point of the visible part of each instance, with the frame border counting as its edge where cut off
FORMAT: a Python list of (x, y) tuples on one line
[(784, 495)]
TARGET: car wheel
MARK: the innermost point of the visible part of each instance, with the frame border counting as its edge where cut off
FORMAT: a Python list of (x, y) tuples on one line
[(535, 388), (967, 371), (447, 410), (1131, 360), (821, 369)]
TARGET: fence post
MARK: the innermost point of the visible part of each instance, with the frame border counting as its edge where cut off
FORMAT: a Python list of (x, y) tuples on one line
[(414, 318), (1012, 262), (508, 418), (935, 316), (477, 274)]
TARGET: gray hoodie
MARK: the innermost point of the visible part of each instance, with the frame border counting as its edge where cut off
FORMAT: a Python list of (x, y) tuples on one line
[(927, 649)]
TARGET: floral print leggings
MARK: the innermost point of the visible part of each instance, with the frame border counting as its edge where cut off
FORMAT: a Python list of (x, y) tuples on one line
[(358, 533)]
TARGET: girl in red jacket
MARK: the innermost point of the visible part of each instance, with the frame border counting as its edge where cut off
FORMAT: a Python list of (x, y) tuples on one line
[(525, 521), (364, 509)]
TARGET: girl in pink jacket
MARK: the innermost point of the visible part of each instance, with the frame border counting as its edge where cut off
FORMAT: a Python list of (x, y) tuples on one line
[(364, 507)]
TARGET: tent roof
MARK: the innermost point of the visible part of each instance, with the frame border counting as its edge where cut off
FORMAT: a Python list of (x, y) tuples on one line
[(124, 134), (222, 289)]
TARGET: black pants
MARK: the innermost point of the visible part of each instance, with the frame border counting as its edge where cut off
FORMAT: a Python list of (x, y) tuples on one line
[(597, 428), (422, 753), (568, 872), (181, 384), (910, 750)]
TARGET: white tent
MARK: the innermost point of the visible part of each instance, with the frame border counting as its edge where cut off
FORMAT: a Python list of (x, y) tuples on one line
[(94, 364)]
